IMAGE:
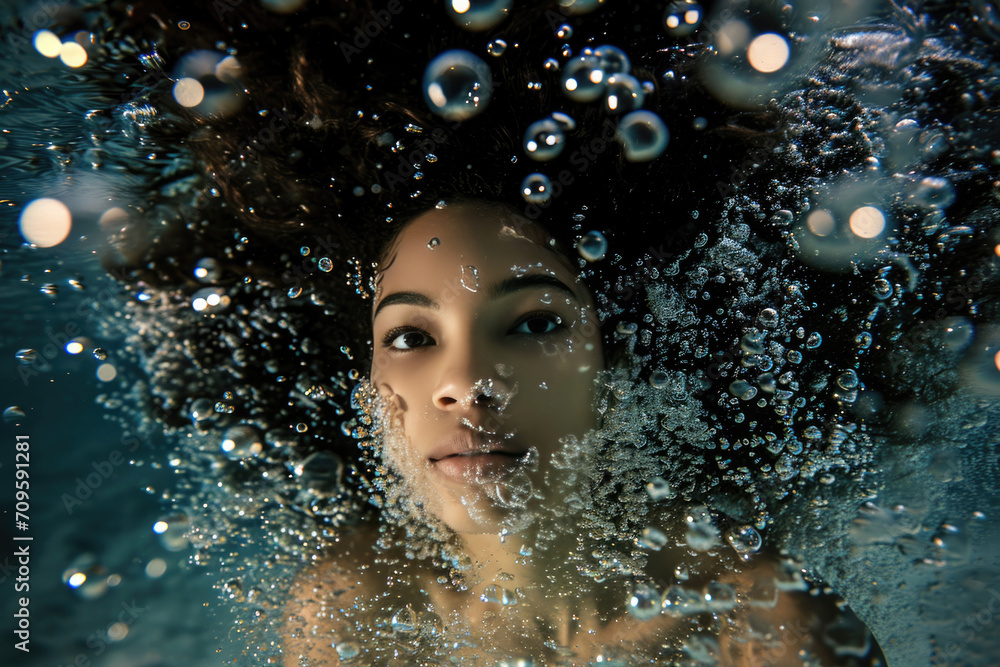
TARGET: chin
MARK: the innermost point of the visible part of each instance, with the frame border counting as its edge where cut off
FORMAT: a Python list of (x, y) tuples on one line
[(486, 515)]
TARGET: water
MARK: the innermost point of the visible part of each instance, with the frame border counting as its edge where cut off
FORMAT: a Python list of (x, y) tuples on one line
[(801, 338)]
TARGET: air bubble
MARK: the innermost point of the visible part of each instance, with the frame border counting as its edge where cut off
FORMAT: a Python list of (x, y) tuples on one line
[(643, 136), (593, 246), (240, 442), (645, 601), (583, 79), (768, 317), (624, 94), (848, 380), (536, 188), (496, 48), (544, 140), (613, 60), (682, 18), (457, 85)]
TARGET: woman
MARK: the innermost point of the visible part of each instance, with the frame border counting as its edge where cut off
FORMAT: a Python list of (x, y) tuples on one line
[(487, 363), (709, 299)]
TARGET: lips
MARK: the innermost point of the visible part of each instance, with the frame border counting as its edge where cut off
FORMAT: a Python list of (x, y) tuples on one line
[(472, 457)]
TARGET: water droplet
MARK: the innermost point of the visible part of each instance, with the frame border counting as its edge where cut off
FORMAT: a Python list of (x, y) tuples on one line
[(100, 354), (304, 251), (744, 539), (294, 292), (593, 246), (457, 85), (583, 79), (478, 14), (863, 340), (544, 139), (536, 188), (682, 18), (643, 136), (470, 278), (814, 340)]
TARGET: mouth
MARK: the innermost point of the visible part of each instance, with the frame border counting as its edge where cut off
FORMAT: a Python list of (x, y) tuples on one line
[(479, 466)]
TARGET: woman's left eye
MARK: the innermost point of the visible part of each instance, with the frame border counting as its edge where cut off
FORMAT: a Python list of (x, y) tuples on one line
[(538, 324)]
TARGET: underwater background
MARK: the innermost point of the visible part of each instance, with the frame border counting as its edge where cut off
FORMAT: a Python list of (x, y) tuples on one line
[(113, 577)]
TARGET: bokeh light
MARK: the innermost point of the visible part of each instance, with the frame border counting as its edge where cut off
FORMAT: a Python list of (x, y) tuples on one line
[(768, 52), (867, 222), (189, 92), (106, 372), (155, 568), (46, 222), (72, 54), (821, 222), (47, 43)]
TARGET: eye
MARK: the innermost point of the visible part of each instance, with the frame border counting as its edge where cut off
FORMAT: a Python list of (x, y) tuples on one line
[(406, 339), (537, 324)]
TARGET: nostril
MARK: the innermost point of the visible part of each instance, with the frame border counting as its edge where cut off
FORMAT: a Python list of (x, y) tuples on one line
[(447, 400)]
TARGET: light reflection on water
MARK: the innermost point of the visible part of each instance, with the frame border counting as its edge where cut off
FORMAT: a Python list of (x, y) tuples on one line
[(921, 538)]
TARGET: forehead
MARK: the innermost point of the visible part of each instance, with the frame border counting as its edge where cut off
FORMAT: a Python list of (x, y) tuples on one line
[(491, 238)]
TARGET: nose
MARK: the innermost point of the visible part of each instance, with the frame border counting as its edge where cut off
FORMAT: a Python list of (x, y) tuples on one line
[(468, 381)]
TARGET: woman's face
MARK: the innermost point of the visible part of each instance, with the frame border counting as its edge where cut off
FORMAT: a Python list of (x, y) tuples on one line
[(486, 350)]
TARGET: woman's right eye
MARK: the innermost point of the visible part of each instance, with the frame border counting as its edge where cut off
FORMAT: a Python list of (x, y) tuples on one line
[(408, 340)]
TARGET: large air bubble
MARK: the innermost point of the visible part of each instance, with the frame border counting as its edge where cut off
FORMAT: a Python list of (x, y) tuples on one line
[(583, 79), (457, 85), (642, 135)]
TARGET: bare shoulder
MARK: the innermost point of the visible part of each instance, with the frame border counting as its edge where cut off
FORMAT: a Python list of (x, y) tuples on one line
[(785, 620), (320, 605)]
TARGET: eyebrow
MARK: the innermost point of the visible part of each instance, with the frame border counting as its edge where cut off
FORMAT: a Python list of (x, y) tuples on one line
[(496, 291)]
